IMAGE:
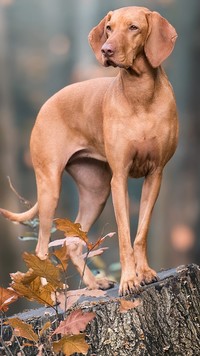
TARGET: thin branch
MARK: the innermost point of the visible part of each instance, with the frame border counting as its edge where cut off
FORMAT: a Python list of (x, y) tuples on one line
[(6, 349), (21, 199), (86, 258), (20, 346)]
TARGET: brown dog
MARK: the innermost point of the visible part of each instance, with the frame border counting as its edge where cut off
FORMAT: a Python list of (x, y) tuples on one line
[(103, 131)]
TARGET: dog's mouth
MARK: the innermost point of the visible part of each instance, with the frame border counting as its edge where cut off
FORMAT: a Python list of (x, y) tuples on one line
[(108, 63)]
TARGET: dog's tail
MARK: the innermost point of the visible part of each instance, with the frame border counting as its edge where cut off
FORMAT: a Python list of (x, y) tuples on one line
[(21, 217)]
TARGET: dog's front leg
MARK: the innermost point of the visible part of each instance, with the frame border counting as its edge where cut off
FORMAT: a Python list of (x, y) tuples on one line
[(150, 193), (128, 281)]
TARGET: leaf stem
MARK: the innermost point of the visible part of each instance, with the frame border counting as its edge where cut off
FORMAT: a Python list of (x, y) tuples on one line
[(86, 258)]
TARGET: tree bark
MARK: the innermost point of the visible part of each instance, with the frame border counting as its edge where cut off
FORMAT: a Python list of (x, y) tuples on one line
[(165, 320)]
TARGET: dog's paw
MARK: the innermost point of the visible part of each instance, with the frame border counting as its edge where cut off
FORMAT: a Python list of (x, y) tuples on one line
[(130, 286), (146, 276), (104, 283)]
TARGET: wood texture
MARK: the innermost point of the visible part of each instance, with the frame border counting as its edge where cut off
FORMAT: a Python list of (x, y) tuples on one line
[(166, 320)]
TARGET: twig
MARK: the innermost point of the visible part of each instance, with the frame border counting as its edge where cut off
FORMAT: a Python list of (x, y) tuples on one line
[(6, 349), (21, 199), (81, 280), (20, 347)]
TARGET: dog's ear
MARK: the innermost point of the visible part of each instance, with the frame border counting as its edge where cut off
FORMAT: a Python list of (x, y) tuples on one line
[(161, 40), (97, 37)]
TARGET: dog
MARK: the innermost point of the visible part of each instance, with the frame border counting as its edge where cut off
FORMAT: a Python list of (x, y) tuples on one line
[(103, 131)]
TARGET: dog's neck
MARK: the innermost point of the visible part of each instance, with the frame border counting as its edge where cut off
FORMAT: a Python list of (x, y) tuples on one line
[(140, 80), (141, 67)]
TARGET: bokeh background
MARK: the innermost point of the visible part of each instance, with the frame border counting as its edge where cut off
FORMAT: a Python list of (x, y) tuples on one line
[(44, 47)]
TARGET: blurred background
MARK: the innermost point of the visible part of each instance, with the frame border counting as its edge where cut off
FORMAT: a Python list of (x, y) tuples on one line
[(44, 47)]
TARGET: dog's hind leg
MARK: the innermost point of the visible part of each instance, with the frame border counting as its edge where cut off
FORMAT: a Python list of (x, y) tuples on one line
[(93, 182), (48, 186)]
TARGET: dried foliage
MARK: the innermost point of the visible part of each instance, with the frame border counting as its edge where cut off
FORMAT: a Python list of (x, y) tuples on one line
[(75, 322), (22, 329), (7, 296), (126, 305), (44, 282), (71, 344)]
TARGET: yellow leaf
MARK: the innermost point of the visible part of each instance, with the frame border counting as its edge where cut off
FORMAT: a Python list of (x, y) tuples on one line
[(62, 256), (71, 344), (22, 329), (46, 326), (72, 229), (46, 294), (44, 268), (25, 278), (36, 291)]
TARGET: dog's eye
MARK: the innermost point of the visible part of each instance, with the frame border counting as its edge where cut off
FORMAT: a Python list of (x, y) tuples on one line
[(133, 28), (108, 28)]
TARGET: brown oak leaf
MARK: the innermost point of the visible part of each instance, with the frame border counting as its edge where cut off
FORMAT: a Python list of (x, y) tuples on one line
[(62, 257), (25, 278), (36, 291), (75, 322), (44, 268), (126, 305), (65, 301), (7, 296), (22, 329), (46, 326), (72, 229), (72, 296), (71, 344)]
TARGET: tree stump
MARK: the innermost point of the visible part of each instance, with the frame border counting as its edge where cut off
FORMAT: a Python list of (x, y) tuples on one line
[(164, 320)]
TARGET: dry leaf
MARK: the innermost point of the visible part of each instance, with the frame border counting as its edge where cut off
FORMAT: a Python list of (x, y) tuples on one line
[(72, 229), (67, 241), (46, 326), (65, 301), (71, 297), (25, 278), (94, 253), (46, 294), (62, 256), (126, 305), (35, 291), (71, 344), (22, 329), (75, 322), (44, 268), (7, 296), (101, 239)]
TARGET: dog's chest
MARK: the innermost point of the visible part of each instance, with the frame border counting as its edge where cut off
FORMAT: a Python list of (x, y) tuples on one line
[(144, 157)]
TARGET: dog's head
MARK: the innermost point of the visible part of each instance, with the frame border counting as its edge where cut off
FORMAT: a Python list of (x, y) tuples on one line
[(124, 33)]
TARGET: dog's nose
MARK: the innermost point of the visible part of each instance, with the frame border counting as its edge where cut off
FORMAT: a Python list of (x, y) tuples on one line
[(107, 50)]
